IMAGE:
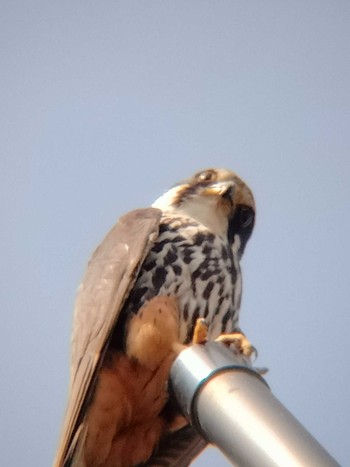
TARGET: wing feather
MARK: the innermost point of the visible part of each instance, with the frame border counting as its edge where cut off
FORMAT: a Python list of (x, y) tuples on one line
[(110, 275)]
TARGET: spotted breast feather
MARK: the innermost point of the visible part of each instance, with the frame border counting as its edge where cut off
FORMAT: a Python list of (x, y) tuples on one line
[(198, 267)]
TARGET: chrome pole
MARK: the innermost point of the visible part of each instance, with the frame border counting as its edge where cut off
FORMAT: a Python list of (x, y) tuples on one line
[(232, 407)]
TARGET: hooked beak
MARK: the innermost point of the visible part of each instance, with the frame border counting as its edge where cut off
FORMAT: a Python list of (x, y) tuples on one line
[(226, 190)]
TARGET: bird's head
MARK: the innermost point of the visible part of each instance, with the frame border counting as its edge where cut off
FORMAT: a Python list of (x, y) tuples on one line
[(218, 199)]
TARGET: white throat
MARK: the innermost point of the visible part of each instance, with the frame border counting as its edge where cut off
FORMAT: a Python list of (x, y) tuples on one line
[(202, 209)]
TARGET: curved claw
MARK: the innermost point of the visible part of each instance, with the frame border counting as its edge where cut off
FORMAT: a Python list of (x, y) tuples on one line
[(242, 344), (261, 370)]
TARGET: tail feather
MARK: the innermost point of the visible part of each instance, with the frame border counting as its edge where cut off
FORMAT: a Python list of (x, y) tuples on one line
[(178, 449)]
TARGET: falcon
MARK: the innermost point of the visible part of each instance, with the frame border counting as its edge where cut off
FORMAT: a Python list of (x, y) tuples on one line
[(163, 278)]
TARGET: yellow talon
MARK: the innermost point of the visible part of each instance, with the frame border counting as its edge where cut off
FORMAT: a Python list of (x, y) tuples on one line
[(239, 340), (200, 332)]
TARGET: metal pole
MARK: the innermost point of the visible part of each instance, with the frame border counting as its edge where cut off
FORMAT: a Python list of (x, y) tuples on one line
[(231, 405)]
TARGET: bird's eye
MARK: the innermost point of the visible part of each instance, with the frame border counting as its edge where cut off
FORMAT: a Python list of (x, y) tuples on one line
[(206, 176)]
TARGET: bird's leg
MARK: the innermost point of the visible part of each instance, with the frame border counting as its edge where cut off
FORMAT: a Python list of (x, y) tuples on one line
[(153, 333), (132, 390), (200, 332), (236, 338), (239, 341)]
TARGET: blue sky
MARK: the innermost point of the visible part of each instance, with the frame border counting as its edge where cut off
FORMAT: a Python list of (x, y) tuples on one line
[(107, 104)]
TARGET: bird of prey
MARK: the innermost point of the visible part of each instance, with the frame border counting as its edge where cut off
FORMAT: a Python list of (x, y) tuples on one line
[(158, 273)]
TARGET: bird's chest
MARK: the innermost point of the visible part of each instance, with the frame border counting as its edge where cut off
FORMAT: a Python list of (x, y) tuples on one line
[(199, 269)]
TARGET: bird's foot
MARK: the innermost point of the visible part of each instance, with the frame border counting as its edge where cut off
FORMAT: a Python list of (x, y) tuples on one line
[(153, 332), (200, 332), (240, 342)]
